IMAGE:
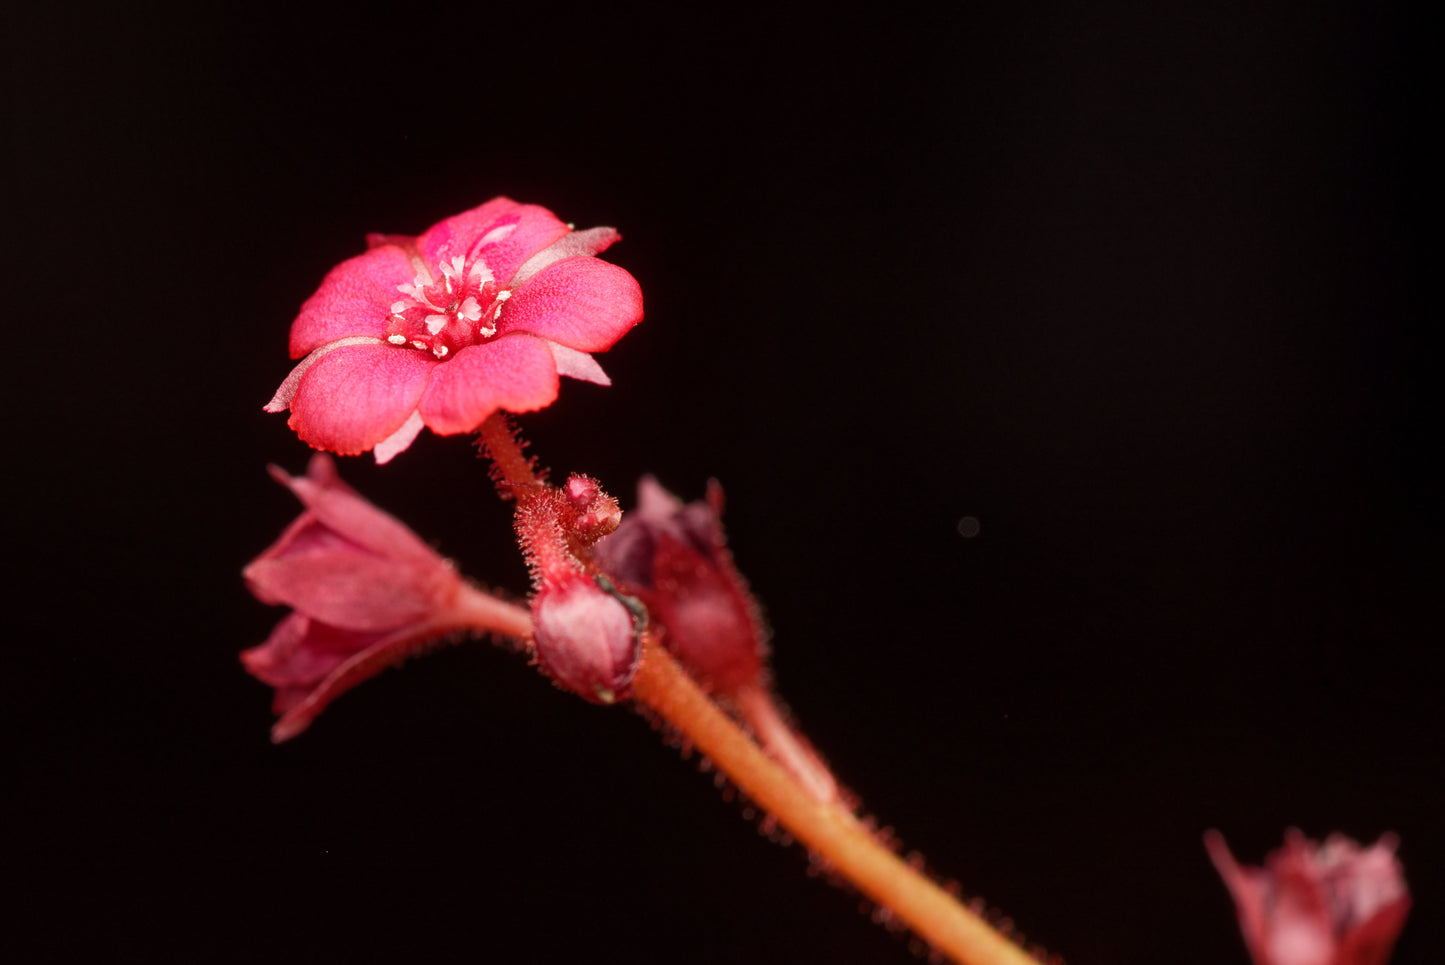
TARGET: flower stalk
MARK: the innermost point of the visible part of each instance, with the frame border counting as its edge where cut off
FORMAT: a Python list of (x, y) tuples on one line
[(795, 789), (827, 829)]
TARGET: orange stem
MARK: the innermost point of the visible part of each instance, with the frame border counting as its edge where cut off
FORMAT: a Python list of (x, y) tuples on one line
[(828, 830), (501, 442), (810, 812)]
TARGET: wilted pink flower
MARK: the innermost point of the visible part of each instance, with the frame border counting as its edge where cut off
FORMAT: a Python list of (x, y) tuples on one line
[(365, 591), (481, 312), (674, 558), (1311, 904)]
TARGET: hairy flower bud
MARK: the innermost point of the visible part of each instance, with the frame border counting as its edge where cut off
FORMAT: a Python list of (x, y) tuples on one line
[(585, 638), (586, 512)]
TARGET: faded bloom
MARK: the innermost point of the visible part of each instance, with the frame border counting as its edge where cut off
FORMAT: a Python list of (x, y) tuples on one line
[(479, 313), (1312, 904), (674, 558), (365, 592)]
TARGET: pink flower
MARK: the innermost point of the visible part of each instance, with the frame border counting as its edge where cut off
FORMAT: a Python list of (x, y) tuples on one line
[(365, 592), (1330, 904), (480, 313), (674, 558)]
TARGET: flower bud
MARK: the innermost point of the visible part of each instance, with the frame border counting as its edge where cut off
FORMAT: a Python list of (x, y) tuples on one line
[(587, 513), (585, 638)]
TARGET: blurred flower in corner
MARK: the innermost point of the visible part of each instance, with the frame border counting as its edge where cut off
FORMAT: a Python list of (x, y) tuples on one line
[(1313, 904)]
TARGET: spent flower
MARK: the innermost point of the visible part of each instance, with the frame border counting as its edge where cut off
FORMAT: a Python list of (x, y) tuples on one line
[(365, 593)]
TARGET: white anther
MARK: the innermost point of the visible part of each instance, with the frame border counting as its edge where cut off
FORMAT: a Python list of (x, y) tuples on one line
[(440, 352), (418, 343), (396, 339), (504, 294)]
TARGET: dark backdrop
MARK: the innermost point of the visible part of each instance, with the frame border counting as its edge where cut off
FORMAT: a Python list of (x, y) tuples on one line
[(1140, 291)]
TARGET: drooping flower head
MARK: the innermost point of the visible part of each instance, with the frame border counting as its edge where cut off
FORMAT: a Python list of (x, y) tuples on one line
[(365, 592), (1313, 904), (674, 557), (479, 313)]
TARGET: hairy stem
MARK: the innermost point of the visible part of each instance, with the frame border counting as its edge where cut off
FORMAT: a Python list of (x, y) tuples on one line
[(513, 468), (828, 830), (808, 808)]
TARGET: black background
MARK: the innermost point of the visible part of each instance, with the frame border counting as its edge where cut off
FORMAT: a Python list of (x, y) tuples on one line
[(1140, 290)]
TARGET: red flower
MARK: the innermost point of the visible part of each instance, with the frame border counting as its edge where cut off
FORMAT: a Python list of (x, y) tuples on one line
[(1330, 904), (366, 593), (482, 312)]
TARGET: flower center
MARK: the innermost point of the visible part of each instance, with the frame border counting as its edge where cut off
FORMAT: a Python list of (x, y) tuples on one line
[(445, 314)]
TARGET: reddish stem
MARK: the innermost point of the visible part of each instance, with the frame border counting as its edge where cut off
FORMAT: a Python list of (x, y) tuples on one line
[(500, 440), (808, 809), (828, 830)]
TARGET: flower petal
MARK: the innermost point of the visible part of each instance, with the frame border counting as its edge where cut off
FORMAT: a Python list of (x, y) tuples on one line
[(350, 590), (317, 684), (582, 303), (355, 298), (281, 401), (344, 516), (577, 365), (515, 373), (355, 397), (400, 440), (589, 242), (501, 232)]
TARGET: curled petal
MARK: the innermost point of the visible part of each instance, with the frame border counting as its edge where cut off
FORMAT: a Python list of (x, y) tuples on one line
[(582, 303), (339, 513), (357, 396), (514, 373), (577, 365), (399, 441), (501, 232), (590, 241), (354, 299), (281, 401), (311, 664)]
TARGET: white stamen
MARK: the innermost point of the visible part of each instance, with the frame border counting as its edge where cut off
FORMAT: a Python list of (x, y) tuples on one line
[(440, 352), (419, 343), (488, 331), (504, 294), (435, 323), (396, 339)]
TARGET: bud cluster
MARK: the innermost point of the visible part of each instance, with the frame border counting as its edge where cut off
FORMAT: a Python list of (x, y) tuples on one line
[(586, 635)]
